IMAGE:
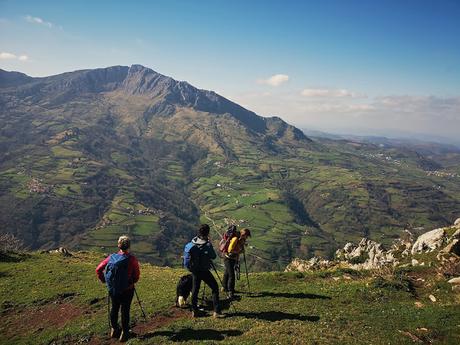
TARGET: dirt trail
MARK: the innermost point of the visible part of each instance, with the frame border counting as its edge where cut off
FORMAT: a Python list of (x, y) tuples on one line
[(145, 329)]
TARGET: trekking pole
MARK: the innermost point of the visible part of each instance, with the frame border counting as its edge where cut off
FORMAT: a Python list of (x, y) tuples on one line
[(220, 280), (108, 311), (247, 274), (140, 305), (237, 271)]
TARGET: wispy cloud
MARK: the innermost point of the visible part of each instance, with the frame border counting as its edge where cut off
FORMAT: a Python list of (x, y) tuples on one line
[(274, 80), (10, 56), (346, 111), (7, 56), (332, 93), (38, 20)]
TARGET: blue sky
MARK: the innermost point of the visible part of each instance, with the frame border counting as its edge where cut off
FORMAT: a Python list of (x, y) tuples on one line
[(350, 66)]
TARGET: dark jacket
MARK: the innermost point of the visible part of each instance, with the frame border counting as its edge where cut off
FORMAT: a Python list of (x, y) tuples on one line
[(207, 253)]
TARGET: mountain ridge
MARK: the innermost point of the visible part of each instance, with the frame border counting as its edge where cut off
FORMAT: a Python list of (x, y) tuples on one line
[(140, 80), (92, 154)]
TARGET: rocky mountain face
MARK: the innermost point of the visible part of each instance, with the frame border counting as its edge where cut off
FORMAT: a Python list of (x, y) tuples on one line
[(89, 155)]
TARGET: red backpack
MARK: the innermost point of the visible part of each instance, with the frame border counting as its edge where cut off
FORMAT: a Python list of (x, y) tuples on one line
[(226, 238)]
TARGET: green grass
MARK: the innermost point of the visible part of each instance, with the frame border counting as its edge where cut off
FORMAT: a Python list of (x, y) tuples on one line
[(284, 308), (63, 152)]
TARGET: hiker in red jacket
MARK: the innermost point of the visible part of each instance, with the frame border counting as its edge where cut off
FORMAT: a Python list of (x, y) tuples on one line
[(120, 271)]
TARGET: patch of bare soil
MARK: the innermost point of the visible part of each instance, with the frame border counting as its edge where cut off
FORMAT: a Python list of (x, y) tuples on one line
[(161, 320), (142, 329), (35, 319)]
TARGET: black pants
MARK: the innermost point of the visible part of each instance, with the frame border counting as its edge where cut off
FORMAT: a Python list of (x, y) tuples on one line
[(229, 275), (124, 301), (209, 279)]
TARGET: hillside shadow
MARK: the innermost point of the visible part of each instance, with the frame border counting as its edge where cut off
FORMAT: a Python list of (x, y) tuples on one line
[(277, 316), (13, 257), (189, 334), (299, 295)]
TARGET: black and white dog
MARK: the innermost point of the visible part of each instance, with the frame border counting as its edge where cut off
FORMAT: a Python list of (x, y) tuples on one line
[(183, 289)]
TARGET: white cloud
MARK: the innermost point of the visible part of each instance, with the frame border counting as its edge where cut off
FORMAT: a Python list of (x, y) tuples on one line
[(329, 93), (38, 20), (10, 56), (274, 80), (7, 56)]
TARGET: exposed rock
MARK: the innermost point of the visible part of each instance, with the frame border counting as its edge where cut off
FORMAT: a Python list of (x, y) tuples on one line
[(453, 247), (430, 241), (456, 234), (432, 298), (456, 288), (314, 263), (457, 222), (61, 250), (418, 304), (367, 255), (455, 281)]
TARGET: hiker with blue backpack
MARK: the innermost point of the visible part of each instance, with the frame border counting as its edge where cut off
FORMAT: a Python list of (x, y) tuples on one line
[(198, 256), (120, 271)]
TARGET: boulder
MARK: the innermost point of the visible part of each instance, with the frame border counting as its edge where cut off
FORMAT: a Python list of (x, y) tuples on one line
[(453, 247), (454, 281), (457, 222), (429, 241)]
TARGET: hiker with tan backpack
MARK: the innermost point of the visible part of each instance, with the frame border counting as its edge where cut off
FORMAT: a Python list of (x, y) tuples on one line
[(232, 245)]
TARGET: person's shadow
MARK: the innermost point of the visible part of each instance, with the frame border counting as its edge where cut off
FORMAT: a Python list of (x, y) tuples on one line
[(188, 334), (277, 316), (299, 295)]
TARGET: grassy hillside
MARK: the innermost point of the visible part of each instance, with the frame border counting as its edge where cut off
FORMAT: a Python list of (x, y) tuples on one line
[(50, 299)]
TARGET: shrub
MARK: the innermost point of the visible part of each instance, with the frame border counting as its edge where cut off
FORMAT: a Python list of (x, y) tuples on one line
[(9, 243)]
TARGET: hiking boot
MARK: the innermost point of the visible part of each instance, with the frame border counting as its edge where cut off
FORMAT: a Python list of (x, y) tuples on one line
[(197, 313), (124, 336), (217, 315), (115, 332)]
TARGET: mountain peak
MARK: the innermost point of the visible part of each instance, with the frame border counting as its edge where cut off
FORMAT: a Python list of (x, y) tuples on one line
[(8, 79)]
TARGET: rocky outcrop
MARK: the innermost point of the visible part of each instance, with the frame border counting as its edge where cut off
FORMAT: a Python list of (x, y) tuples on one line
[(61, 250), (367, 254), (314, 263), (430, 241)]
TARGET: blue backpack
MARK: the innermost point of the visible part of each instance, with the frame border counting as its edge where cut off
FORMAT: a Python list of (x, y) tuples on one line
[(116, 274), (192, 254)]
